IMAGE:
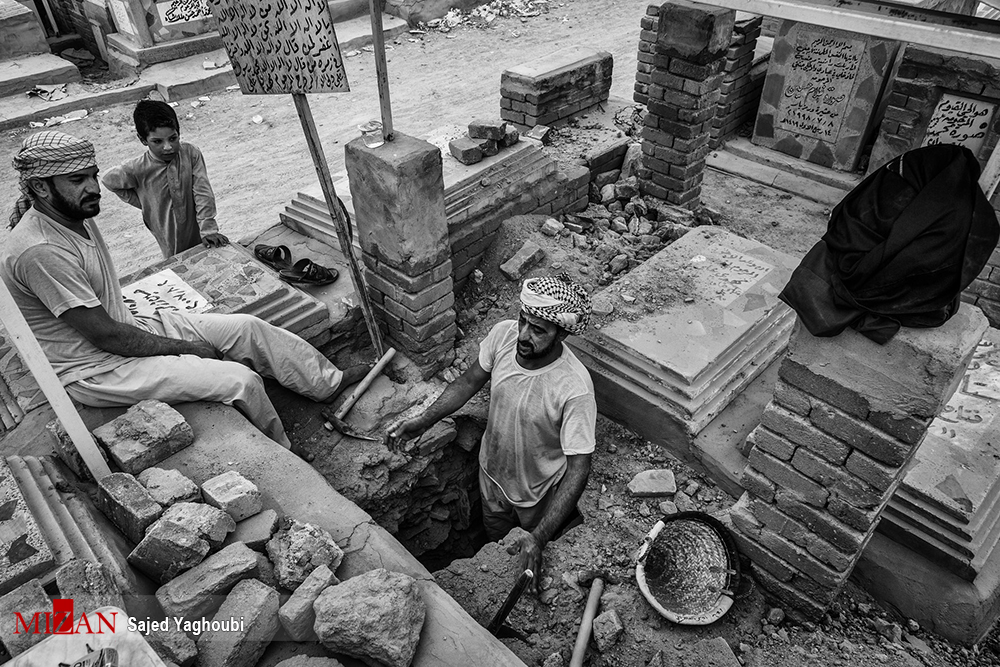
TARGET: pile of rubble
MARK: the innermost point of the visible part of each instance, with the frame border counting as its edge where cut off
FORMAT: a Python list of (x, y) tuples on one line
[(484, 15)]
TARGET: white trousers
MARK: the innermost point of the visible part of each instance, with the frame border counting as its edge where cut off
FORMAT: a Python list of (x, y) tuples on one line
[(252, 348)]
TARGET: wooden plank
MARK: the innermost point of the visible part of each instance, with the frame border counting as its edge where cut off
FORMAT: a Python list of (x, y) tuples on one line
[(340, 223), (978, 38), (34, 358), (381, 68)]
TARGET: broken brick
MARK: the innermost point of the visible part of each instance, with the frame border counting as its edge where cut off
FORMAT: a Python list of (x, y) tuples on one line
[(128, 504), (233, 493), (488, 129), (167, 550), (465, 150), (147, 433)]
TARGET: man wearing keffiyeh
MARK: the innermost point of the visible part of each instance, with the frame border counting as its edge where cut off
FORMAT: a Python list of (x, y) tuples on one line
[(59, 272), (535, 456)]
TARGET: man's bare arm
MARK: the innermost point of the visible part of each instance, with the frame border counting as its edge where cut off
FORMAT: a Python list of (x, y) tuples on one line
[(112, 336), (454, 396)]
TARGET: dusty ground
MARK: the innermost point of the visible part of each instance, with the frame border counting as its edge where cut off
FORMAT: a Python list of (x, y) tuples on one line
[(446, 78)]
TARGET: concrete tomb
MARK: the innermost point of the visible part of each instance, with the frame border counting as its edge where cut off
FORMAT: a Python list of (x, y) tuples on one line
[(822, 88)]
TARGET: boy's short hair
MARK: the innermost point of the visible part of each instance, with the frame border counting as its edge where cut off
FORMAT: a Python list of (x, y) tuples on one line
[(151, 114)]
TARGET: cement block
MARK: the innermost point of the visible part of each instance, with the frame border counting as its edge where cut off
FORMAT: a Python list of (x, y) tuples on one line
[(173, 645), (523, 261), (489, 147), (251, 613), (167, 550), (147, 433), (207, 522), (169, 487), (233, 493), (255, 531), (652, 483), (488, 129), (25, 553), (198, 591), (466, 151), (128, 504), (297, 615), (27, 600), (510, 137), (90, 585)]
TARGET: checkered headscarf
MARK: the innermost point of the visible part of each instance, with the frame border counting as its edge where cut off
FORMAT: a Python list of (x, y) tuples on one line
[(557, 300), (47, 154)]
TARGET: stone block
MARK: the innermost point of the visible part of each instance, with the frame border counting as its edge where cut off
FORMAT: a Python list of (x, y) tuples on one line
[(511, 136), (466, 151), (693, 31), (297, 615), (198, 591), (398, 193), (67, 453), (251, 613), (169, 487), (209, 523), (652, 483), (25, 553), (90, 585), (816, 468), (167, 550), (376, 616), (234, 494), (147, 433), (28, 599), (173, 645), (128, 504), (607, 630), (489, 147), (255, 531), (542, 133), (523, 261), (488, 129), (298, 549)]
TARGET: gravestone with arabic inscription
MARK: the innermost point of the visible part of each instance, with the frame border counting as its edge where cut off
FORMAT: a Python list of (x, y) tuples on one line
[(821, 91), (948, 504), (960, 120)]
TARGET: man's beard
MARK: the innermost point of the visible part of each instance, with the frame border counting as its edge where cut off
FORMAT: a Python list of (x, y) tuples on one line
[(72, 210), (536, 354)]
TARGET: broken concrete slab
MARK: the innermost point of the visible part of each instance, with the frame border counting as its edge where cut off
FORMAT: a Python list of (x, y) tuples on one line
[(376, 616), (297, 615), (90, 586), (25, 553), (233, 493), (128, 504), (255, 531), (207, 522), (652, 483), (169, 487), (198, 591), (523, 261), (27, 600), (249, 618), (167, 550), (298, 549), (147, 433)]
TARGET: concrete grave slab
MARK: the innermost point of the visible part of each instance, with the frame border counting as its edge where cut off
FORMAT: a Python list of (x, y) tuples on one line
[(821, 91), (24, 553)]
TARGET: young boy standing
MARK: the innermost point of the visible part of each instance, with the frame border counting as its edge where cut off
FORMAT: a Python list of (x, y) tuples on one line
[(169, 183)]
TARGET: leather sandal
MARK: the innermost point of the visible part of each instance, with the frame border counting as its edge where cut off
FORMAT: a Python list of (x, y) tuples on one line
[(307, 272), (278, 257)]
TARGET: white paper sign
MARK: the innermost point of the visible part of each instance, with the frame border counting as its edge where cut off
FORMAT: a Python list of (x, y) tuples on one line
[(163, 290)]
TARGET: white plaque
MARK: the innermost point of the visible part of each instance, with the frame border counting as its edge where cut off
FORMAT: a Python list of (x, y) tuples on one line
[(163, 290), (960, 120)]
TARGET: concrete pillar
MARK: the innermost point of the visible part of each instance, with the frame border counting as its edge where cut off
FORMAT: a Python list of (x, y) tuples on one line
[(846, 418), (691, 44), (398, 193)]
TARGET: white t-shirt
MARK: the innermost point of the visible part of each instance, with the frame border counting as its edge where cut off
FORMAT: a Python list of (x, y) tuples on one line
[(537, 417), (50, 269)]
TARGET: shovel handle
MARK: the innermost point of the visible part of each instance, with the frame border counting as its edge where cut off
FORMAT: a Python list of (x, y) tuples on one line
[(515, 594), (346, 406)]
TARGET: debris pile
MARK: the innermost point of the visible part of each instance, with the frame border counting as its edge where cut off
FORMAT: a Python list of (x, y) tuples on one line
[(484, 15)]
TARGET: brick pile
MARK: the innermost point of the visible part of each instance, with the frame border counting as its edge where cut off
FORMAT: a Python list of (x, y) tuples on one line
[(739, 92), (556, 87), (483, 139), (682, 96), (846, 417)]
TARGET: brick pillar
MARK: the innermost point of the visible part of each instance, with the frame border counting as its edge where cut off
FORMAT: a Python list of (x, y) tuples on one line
[(398, 193), (846, 417), (739, 94), (682, 95)]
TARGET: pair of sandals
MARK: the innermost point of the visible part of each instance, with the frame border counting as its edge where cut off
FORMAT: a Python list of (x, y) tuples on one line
[(305, 271)]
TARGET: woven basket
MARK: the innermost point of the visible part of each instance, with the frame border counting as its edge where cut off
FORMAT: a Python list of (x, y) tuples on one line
[(688, 568)]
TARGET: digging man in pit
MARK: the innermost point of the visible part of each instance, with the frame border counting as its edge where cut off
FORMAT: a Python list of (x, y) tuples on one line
[(535, 457)]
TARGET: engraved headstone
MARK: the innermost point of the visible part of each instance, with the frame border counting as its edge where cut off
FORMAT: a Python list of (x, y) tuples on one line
[(822, 88), (947, 504), (24, 553), (182, 11), (960, 120)]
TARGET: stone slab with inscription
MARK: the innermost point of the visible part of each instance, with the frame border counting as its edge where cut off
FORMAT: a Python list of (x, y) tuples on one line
[(821, 91), (695, 324), (24, 554), (947, 503), (960, 120)]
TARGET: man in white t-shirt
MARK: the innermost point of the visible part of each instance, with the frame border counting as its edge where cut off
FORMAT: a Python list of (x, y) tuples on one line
[(59, 272), (535, 455)]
